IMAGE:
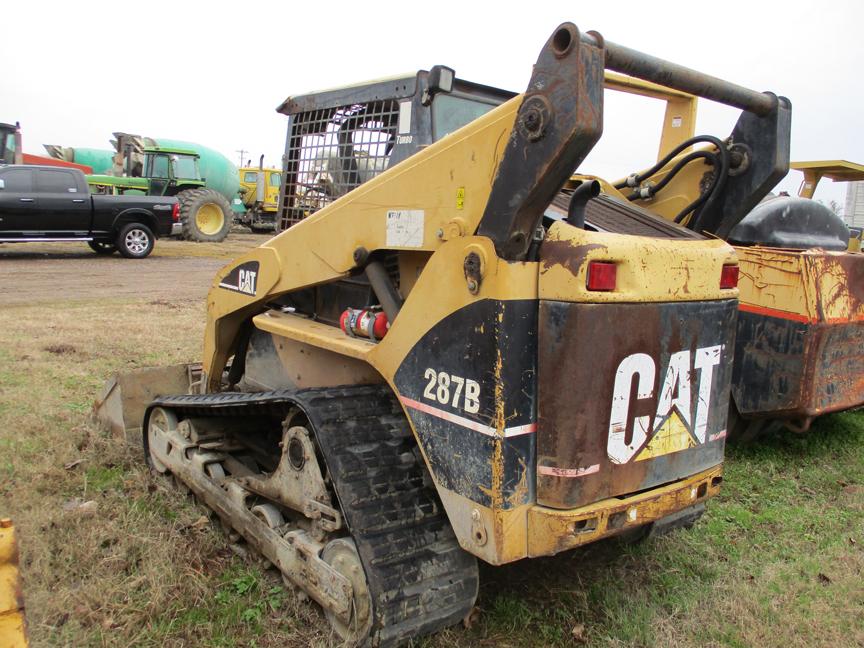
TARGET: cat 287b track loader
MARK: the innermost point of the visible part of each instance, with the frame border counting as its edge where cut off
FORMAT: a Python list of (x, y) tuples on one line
[(430, 370)]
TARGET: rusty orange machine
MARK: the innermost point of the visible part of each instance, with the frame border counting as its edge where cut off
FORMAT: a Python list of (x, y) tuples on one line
[(801, 311), (435, 367)]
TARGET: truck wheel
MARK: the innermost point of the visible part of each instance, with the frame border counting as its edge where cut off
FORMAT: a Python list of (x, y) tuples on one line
[(135, 241), (102, 247), (205, 214)]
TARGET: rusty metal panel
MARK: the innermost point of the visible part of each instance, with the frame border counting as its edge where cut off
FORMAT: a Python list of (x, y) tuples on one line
[(800, 333), (791, 369), (646, 407)]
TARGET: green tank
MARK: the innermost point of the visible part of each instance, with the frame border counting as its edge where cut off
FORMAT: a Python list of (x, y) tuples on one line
[(100, 160)]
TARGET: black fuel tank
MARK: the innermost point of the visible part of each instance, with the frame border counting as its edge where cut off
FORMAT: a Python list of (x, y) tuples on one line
[(791, 222)]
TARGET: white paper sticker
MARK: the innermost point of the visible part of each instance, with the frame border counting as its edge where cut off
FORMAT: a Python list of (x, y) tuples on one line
[(404, 117), (405, 228), (676, 122)]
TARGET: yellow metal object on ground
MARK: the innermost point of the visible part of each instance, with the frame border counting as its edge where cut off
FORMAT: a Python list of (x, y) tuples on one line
[(13, 627)]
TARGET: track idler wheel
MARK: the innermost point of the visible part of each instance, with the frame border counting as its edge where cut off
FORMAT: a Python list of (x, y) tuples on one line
[(159, 425), (341, 554)]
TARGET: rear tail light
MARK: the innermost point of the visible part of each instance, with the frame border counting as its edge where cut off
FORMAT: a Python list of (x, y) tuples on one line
[(729, 277), (175, 212), (602, 275)]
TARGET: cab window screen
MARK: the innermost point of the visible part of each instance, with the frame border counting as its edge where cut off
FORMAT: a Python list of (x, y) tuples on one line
[(275, 179), (250, 176)]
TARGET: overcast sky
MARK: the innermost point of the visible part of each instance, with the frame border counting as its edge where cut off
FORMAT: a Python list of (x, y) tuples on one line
[(214, 73)]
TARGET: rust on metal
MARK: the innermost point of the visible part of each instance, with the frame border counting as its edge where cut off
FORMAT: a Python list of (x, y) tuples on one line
[(800, 334), (552, 531), (564, 253), (662, 439), (559, 122)]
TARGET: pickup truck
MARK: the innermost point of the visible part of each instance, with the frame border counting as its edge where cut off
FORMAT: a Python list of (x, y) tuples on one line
[(42, 203)]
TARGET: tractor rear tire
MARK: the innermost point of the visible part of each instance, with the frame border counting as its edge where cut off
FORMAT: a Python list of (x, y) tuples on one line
[(205, 214)]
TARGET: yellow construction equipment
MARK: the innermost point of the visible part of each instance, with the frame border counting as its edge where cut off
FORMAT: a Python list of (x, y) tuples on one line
[(260, 189), (13, 627), (451, 360), (801, 320)]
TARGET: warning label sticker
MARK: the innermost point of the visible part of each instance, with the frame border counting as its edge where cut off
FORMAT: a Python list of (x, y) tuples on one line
[(405, 228)]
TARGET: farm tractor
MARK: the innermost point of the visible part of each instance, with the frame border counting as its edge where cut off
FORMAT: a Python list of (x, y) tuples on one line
[(205, 214)]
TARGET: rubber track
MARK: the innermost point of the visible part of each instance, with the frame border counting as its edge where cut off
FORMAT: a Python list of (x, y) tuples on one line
[(420, 579)]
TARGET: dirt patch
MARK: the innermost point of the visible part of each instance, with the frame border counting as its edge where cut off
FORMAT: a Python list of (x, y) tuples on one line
[(60, 349), (33, 273)]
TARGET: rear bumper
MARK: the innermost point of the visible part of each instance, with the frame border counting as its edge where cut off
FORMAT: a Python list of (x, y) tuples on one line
[(551, 531), (176, 229)]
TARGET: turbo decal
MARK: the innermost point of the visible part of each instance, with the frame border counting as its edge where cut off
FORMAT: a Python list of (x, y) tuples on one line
[(672, 428)]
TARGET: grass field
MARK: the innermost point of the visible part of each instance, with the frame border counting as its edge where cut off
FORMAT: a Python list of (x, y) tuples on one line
[(776, 561)]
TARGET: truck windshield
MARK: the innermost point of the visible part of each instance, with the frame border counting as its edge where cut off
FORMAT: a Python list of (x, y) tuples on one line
[(451, 112), (185, 166)]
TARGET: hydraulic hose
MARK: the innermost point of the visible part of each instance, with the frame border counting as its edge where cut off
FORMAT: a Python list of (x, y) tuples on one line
[(711, 157), (640, 177)]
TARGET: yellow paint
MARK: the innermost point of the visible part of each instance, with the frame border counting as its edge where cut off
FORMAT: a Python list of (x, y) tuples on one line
[(649, 269), (320, 249), (812, 284), (673, 436), (551, 531), (836, 170), (13, 627), (209, 219), (250, 189), (679, 120)]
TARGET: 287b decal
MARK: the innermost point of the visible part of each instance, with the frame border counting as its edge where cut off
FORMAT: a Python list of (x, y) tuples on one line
[(456, 391)]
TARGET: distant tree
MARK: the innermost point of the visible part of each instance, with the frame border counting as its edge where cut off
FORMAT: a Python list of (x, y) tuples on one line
[(834, 206)]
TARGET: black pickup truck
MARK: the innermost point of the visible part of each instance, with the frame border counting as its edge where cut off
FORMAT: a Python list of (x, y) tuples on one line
[(43, 203)]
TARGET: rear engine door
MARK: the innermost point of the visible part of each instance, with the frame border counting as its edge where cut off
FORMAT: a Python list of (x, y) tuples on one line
[(632, 394)]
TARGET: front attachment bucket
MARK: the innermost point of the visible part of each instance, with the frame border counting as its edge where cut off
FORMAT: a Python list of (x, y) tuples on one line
[(120, 407)]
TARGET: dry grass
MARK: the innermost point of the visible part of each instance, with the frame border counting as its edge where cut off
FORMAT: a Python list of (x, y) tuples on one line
[(777, 561), (140, 569)]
